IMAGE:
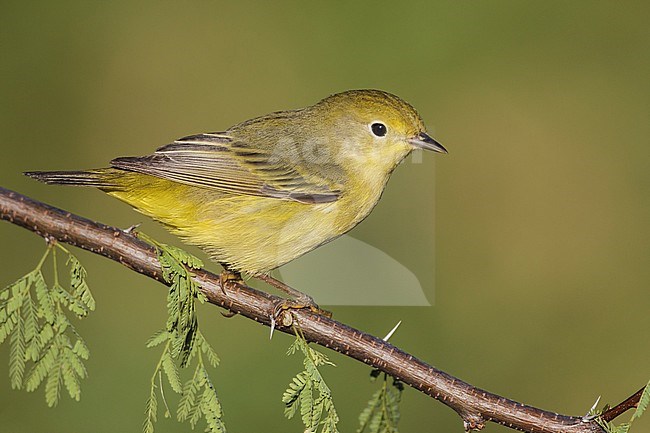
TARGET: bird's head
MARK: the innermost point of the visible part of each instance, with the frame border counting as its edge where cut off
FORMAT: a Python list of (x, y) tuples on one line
[(372, 129)]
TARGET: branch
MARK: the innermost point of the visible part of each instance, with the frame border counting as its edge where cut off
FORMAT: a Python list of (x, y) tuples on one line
[(630, 403), (475, 406)]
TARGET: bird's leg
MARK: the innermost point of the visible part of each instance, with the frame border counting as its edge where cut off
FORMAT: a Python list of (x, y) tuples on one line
[(300, 300), (296, 294), (228, 277)]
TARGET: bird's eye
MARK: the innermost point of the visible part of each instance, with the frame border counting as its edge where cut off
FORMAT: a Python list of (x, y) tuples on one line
[(379, 129)]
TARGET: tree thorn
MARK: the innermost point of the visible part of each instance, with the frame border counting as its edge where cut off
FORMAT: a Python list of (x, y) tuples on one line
[(473, 422)]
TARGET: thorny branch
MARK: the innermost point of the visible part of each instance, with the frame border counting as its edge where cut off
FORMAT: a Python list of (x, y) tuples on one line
[(475, 406)]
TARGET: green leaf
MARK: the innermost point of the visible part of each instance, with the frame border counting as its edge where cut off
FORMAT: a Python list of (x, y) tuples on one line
[(33, 314), (622, 428), (75, 363), (307, 406), (184, 341), (80, 290), (32, 339), (70, 379), (81, 349), (188, 402), (309, 391), (158, 338), (371, 407), (195, 414), (292, 395), (65, 298), (183, 292), (17, 357), (46, 307), (212, 356), (171, 372), (53, 383), (151, 411), (45, 335), (381, 414), (17, 291), (41, 369), (183, 256), (294, 347), (7, 327), (4, 293), (211, 409), (644, 401)]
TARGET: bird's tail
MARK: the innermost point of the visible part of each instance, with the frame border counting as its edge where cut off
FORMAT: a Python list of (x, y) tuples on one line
[(100, 178)]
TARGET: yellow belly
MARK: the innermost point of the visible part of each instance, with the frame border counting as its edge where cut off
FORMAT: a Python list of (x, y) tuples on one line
[(246, 233)]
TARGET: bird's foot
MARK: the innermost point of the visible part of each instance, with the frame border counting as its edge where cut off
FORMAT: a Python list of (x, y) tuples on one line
[(227, 277), (304, 302), (299, 299), (283, 307), (282, 312)]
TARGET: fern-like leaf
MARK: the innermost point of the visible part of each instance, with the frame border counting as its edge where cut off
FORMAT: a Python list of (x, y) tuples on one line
[(17, 294), (644, 401), (53, 382), (208, 351), (184, 257), (211, 409), (621, 428), (158, 338), (188, 402), (33, 313), (292, 395), (17, 356), (81, 349), (45, 302), (309, 392), (70, 377), (7, 327), (151, 411), (382, 414), (369, 411), (32, 334), (185, 343), (80, 291), (171, 372), (74, 360)]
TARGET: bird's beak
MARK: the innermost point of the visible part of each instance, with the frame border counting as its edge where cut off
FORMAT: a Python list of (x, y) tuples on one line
[(423, 141)]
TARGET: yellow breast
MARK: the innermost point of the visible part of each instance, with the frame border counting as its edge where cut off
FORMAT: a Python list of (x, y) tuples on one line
[(247, 233)]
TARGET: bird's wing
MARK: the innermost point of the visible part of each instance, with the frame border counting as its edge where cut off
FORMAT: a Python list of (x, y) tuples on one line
[(218, 161)]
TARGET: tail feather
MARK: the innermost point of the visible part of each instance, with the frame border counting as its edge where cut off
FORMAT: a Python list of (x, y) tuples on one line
[(96, 178)]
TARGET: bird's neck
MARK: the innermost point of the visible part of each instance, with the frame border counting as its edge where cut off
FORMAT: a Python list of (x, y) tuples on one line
[(363, 189)]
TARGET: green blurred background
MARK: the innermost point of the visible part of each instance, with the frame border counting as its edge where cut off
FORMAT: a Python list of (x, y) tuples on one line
[(540, 210)]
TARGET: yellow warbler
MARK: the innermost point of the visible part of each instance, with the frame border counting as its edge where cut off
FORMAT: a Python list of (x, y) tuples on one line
[(269, 189)]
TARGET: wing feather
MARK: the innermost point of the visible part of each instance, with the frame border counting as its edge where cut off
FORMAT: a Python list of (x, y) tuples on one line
[(220, 162)]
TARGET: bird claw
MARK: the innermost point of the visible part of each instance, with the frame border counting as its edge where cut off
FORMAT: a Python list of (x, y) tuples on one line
[(301, 303), (229, 277), (228, 314), (282, 311)]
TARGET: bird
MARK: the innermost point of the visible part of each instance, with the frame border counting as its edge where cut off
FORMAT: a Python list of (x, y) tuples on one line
[(269, 189)]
